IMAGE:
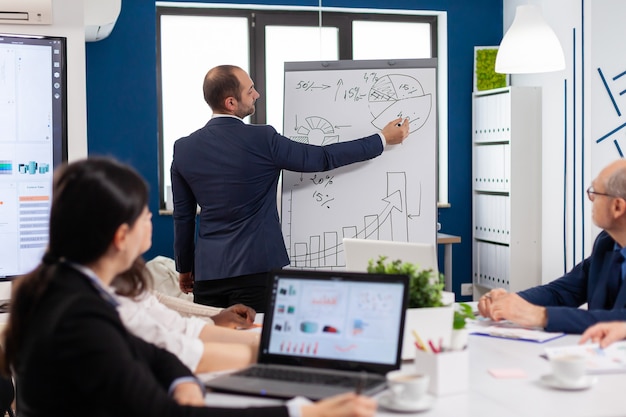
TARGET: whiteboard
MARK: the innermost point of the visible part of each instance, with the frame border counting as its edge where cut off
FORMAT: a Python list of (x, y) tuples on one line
[(392, 197)]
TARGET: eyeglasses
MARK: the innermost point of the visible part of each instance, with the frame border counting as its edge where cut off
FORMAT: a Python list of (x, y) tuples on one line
[(591, 193)]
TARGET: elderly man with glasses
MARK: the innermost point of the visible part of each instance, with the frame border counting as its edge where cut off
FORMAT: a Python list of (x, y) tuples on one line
[(597, 280)]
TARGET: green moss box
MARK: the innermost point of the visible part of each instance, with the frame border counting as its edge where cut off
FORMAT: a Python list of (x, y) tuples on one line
[(485, 76)]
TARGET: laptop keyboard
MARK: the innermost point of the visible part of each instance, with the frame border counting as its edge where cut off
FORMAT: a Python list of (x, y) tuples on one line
[(310, 377)]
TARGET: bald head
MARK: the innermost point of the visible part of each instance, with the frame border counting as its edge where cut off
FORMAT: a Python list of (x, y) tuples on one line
[(220, 83), (614, 178)]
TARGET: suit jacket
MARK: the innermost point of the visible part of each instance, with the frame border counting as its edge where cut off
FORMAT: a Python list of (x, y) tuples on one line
[(77, 359), (586, 283), (231, 170)]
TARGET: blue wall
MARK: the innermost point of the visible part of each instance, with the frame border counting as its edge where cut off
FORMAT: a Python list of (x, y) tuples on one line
[(122, 102)]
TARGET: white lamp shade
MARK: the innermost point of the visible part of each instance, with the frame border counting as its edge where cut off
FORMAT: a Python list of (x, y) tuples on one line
[(530, 45)]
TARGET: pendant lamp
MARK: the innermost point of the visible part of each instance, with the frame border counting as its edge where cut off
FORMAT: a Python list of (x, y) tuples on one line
[(530, 45)]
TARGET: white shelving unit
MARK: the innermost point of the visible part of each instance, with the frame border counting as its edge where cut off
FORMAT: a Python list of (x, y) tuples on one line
[(506, 170)]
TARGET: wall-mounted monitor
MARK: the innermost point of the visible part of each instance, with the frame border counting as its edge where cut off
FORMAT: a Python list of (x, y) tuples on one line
[(33, 142)]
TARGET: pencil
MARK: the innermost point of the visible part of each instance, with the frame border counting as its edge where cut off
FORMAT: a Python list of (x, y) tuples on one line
[(432, 346), (419, 341)]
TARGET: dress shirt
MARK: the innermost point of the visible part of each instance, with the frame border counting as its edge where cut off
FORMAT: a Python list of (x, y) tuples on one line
[(152, 321)]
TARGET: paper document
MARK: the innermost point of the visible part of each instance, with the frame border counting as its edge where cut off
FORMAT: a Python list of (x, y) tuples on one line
[(508, 330), (608, 360)]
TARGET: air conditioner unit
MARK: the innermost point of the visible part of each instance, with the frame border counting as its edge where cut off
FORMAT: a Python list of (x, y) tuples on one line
[(100, 18), (26, 12)]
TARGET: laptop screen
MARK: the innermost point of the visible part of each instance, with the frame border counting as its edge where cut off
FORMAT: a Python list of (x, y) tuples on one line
[(343, 317)]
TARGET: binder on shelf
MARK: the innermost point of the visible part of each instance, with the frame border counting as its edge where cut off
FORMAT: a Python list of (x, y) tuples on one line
[(506, 206)]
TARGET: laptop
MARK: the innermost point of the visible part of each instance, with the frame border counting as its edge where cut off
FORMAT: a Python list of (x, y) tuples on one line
[(325, 333), (359, 252)]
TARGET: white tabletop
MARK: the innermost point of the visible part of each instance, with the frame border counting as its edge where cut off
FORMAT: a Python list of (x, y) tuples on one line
[(492, 397), (488, 396)]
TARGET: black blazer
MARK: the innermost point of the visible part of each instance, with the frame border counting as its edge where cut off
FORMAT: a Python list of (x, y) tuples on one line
[(231, 170), (77, 359), (585, 283)]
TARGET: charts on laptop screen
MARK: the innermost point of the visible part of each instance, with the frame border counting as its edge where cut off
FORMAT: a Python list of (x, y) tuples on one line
[(341, 319), (33, 141)]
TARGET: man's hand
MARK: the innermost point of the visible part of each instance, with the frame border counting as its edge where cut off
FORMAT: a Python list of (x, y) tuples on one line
[(605, 333), (500, 305), (485, 302), (185, 282), (237, 316), (396, 131)]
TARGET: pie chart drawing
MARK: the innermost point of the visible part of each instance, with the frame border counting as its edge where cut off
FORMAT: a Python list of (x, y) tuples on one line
[(316, 131), (397, 95)]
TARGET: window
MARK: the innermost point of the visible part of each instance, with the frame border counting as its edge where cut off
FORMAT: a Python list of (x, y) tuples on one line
[(292, 44), (193, 40)]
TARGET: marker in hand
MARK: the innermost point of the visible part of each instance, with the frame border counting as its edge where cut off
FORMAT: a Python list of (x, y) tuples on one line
[(400, 124)]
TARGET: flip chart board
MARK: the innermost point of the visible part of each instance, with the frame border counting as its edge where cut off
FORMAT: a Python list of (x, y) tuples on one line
[(391, 197)]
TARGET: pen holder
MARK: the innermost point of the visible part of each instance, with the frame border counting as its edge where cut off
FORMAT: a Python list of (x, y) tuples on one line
[(448, 371)]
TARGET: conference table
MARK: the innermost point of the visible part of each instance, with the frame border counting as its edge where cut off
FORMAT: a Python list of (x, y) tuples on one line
[(488, 396)]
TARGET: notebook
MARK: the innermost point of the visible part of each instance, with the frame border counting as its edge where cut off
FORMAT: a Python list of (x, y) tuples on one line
[(337, 331)]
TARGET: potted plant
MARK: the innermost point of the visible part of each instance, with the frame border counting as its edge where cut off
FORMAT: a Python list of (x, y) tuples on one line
[(458, 339), (426, 315), (424, 287), (462, 312)]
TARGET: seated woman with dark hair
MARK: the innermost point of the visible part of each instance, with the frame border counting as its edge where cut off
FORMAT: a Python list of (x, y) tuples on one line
[(70, 353)]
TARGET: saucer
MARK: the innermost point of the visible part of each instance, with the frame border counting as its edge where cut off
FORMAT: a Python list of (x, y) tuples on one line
[(386, 401), (583, 383)]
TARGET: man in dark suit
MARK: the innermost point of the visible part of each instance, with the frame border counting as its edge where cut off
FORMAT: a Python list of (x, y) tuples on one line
[(231, 170), (596, 281)]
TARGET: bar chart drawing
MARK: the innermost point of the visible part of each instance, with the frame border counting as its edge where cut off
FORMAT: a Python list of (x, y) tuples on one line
[(390, 197), (324, 250)]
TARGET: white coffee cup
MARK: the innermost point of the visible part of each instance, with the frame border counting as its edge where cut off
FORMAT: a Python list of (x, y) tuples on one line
[(568, 369), (407, 386)]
